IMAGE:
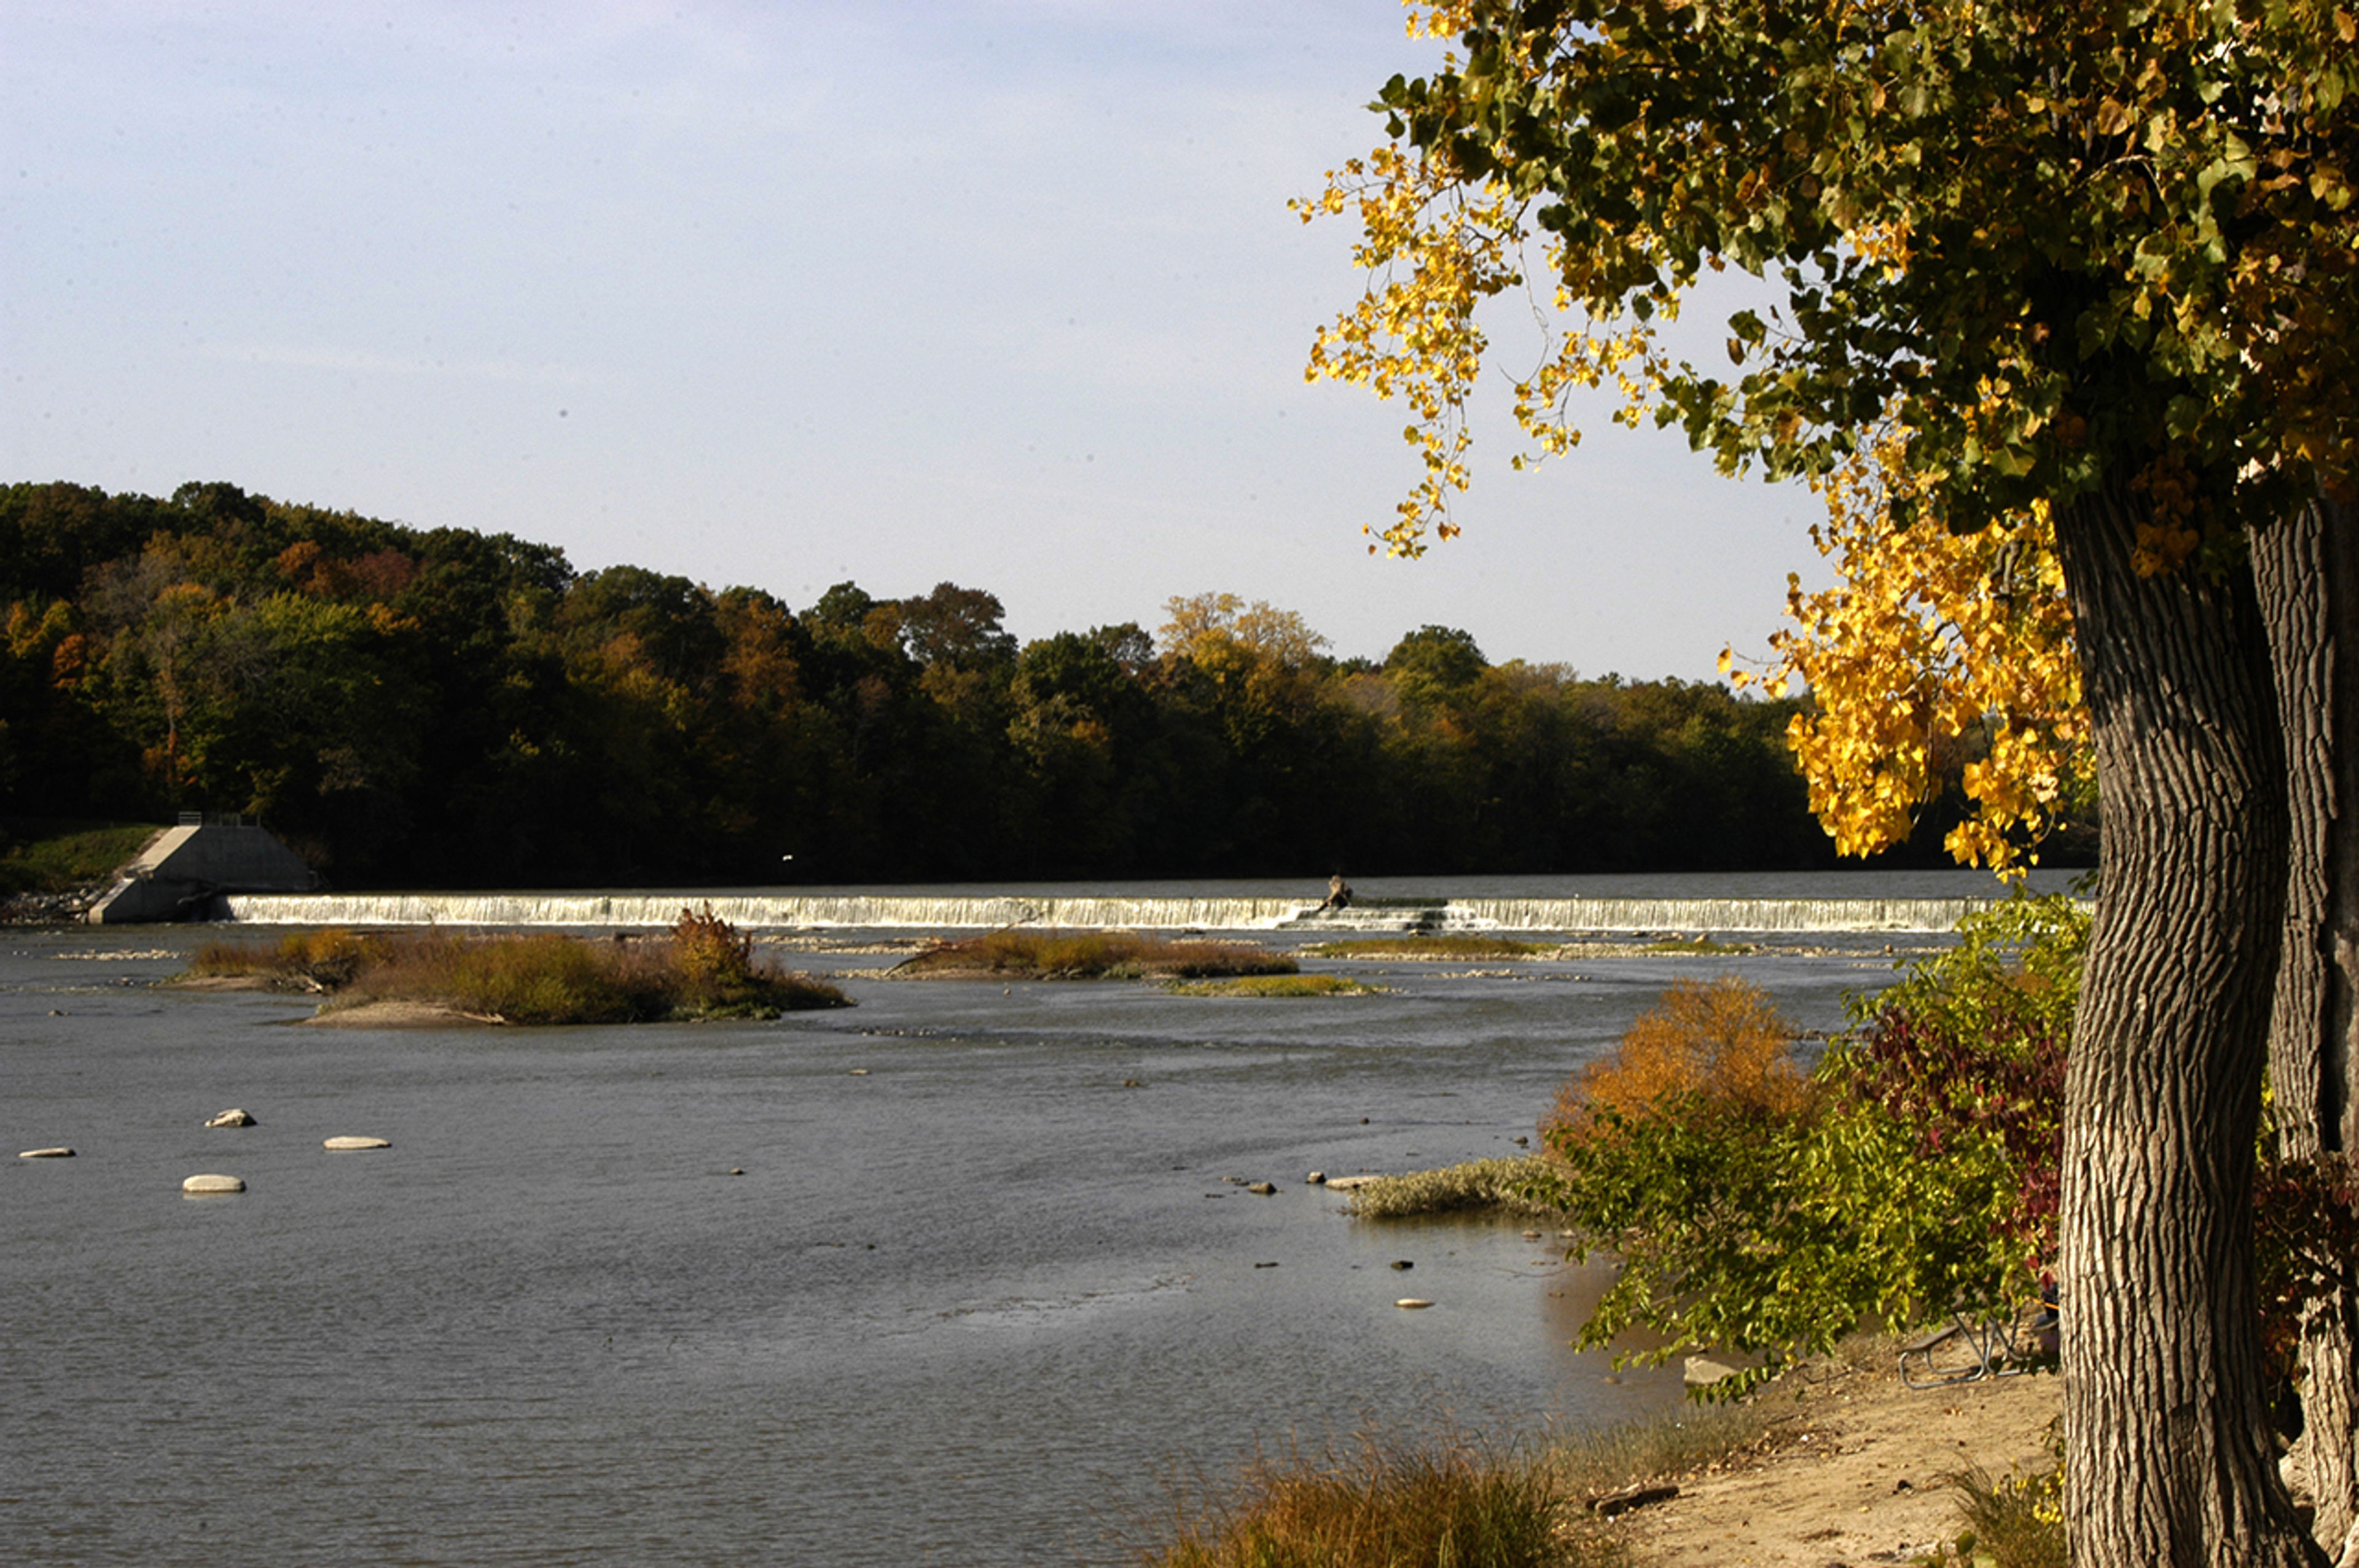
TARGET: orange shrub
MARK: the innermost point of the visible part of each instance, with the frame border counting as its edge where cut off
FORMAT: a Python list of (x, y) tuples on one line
[(1725, 1041)]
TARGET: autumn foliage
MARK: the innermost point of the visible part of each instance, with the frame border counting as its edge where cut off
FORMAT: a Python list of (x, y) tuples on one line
[(1721, 1040), (1766, 1210), (706, 969), (436, 708)]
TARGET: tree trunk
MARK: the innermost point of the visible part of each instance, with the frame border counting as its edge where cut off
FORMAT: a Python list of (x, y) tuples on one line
[(2169, 1457), (2307, 571)]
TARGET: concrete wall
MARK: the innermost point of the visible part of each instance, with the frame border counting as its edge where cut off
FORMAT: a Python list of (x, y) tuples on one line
[(177, 875)]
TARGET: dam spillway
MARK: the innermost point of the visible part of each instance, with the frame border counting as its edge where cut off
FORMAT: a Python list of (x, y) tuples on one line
[(782, 911)]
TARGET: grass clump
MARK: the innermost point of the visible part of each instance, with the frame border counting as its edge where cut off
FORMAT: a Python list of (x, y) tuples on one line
[(1505, 1185), (1093, 956), (1277, 986), (1391, 1508), (54, 855), (1699, 1437), (2014, 1522), (1698, 946), (1444, 947), (705, 969)]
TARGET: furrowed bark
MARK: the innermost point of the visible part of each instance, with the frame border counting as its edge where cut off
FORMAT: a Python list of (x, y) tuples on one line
[(2169, 1455), (2306, 569)]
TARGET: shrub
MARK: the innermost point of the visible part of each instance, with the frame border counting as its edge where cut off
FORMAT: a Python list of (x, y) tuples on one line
[(709, 953), (1915, 1171), (2305, 1245), (552, 978), (706, 970), (1723, 1040)]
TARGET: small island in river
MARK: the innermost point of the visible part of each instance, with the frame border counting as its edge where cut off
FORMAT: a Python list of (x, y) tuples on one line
[(703, 969)]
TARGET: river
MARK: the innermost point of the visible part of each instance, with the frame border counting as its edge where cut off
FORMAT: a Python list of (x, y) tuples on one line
[(966, 1274)]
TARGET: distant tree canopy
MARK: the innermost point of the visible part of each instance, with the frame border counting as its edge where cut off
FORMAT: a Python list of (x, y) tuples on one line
[(442, 708)]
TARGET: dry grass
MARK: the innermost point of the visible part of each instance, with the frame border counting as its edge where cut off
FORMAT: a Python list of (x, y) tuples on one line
[(1700, 946), (1441, 948), (1457, 1503), (1091, 955), (1497, 1184), (1723, 1040), (2016, 1521), (1389, 1507), (1277, 986), (1696, 1438), (704, 971)]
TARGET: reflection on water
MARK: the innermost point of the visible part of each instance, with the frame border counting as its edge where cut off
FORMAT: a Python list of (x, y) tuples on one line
[(703, 1294)]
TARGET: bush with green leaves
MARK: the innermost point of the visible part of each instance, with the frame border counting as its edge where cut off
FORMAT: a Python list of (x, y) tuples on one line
[(1916, 1177)]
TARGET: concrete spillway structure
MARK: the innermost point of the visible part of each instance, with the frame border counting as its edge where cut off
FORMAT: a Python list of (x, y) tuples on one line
[(182, 870), (820, 911)]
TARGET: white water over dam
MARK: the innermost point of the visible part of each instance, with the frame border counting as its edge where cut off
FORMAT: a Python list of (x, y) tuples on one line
[(929, 912)]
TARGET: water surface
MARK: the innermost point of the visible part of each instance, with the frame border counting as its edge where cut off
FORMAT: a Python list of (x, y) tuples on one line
[(982, 1293)]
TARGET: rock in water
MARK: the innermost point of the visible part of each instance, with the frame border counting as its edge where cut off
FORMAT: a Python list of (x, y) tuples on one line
[(232, 1119), (212, 1185), (60, 1153), (347, 1143), (1412, 1303), (1266, 1189), (1702, 1372)]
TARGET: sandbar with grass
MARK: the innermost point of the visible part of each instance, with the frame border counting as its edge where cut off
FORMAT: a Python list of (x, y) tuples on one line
[(703, 969), (1089, 955)]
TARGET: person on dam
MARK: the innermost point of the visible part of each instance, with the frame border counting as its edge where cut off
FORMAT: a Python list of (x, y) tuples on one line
[(1339, 893)]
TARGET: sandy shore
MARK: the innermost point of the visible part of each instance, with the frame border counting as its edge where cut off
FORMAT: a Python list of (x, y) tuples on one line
[(1854, 1473), (393, 1014)]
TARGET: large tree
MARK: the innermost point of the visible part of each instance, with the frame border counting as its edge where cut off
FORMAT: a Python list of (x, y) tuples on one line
[(2089, 266)]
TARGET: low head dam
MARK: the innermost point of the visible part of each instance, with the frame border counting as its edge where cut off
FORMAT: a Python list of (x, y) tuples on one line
[(789, 911)]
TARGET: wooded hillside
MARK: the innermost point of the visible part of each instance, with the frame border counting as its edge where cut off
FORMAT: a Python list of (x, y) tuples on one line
[(440, 707)]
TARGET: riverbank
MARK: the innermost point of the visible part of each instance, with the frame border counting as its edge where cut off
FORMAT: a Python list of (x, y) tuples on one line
[(1854, 1470)]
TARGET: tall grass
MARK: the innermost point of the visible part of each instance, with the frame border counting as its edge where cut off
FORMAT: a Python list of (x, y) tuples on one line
[(1460, 947), (1499, 1185), (1453, 1502), (706, 969), (1384, 1506), (1094, 955), (2017, 1521), (1607, 1459), (1275, 985)]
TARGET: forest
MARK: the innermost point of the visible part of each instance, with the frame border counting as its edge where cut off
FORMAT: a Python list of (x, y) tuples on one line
[(439, 708)]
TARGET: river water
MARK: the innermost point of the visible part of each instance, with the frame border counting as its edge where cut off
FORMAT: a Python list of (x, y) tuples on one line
[(966, 1274)]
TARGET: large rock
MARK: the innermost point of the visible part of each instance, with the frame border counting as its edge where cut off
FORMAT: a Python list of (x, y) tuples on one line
[(1702, 1371), (347, 1143), (212, 1185), (233, 1118)]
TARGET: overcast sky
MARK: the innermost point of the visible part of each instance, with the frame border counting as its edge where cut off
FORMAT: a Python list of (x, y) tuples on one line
[(1001, 292)]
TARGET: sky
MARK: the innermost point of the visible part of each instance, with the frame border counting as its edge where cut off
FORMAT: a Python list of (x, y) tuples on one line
[(1003, 293)]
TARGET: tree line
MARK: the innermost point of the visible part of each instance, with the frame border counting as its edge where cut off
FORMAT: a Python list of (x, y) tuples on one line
[(438, 706)]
